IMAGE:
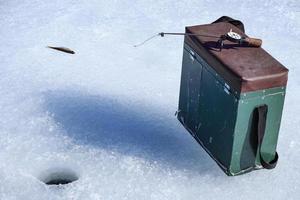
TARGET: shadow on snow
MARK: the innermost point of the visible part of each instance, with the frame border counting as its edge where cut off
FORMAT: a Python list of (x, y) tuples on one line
[(108, 123)]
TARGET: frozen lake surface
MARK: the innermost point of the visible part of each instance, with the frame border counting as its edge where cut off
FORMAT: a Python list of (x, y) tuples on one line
[(106, 114)]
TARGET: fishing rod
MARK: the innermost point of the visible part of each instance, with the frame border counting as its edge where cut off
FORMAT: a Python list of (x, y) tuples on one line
[(230, 36), (162, 34)]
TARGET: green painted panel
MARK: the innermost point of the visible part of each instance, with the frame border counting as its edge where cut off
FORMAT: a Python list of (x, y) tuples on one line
[(217, 118), (245, 149), (189, 94)]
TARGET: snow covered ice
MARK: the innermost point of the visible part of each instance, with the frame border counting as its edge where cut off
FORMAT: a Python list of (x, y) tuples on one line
[(107, 112)]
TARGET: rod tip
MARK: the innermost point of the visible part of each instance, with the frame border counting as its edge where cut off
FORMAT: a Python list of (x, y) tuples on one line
[(162, 34)]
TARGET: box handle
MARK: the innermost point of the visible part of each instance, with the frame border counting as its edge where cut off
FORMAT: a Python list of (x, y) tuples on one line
[(262, 116)]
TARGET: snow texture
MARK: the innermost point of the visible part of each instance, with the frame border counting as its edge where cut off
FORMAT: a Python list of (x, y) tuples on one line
[(107, 112)]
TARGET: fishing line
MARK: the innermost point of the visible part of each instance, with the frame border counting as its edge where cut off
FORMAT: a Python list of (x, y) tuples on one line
[(150, 38)]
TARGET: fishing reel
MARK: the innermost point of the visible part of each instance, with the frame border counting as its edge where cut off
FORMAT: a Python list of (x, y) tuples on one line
[(238, 39)]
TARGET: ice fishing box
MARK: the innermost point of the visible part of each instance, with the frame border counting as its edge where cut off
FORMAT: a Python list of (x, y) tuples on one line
[(231, 100)]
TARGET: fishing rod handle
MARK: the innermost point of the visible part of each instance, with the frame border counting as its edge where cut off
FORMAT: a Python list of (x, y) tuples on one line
[(253, 42)]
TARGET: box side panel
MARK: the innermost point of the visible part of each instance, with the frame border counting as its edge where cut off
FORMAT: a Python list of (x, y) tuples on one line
[(183, 92), (217, 110), (245, 154), (207, 108), (188, 111)]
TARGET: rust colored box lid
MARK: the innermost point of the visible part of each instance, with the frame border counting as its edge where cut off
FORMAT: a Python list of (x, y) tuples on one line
[(244, 68)]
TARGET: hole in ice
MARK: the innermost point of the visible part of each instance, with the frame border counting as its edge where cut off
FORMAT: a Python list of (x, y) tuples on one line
[(59, 177)]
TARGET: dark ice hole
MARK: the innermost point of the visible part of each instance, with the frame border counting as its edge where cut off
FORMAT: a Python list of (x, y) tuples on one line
[(59, 177), (59, 181)]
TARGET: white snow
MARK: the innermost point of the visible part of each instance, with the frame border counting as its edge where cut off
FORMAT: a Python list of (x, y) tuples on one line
[(107, 112)]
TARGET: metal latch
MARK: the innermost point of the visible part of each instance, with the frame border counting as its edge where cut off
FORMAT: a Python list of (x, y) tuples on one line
[(227, 88), (192, 55)]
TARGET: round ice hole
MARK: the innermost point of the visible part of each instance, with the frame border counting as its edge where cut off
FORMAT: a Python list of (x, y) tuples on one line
[(59, 176)]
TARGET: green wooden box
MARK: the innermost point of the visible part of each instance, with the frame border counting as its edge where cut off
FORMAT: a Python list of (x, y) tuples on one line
[(221, 96)]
